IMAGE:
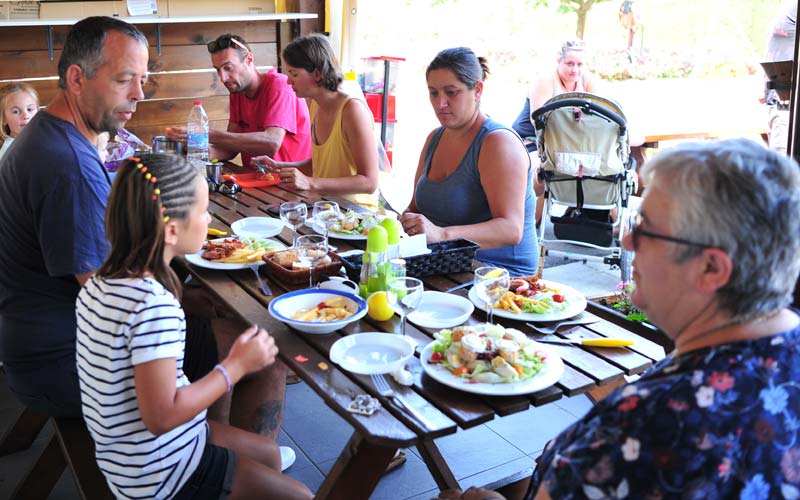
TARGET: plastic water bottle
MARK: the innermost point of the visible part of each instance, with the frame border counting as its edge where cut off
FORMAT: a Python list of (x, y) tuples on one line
[(197, 137)]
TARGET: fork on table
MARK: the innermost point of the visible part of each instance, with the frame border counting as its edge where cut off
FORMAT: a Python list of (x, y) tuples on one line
[(265, 289), (385, 390)]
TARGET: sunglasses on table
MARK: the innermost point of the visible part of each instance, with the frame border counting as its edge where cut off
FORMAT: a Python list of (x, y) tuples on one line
[(225, 42), (637, 232)]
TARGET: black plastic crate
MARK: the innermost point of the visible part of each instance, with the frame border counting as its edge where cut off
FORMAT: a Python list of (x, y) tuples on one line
[(451, 256)]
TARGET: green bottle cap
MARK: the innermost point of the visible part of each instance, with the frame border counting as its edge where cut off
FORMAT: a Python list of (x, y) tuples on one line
[(393, 229), (377, 239)]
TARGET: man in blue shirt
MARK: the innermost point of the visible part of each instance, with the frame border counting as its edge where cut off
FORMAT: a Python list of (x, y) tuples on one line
[(53, 194)]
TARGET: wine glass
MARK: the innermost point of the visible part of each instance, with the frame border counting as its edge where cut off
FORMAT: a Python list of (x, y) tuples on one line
[(294, 213), (326, 214), (404, 296), (311, 248), (491, 283)]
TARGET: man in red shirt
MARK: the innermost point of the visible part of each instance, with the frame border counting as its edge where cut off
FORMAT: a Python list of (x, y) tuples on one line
[(266, 117)]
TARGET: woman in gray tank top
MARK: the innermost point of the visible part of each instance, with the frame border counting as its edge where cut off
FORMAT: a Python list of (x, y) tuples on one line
[(474, 177)]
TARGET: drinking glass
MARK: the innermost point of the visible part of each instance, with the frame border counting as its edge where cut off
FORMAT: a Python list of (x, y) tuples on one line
[(326, 214), (311, 248), (294, 213), (404, 296), (491, 283)]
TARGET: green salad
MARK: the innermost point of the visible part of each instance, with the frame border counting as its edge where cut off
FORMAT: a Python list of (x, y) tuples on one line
[(487, 354)]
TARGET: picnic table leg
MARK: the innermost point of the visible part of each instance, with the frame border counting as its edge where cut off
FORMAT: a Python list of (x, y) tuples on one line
[(436, 465), (357, 471)]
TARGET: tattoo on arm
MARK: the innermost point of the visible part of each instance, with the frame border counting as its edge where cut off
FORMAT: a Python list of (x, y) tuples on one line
[(268, 417)]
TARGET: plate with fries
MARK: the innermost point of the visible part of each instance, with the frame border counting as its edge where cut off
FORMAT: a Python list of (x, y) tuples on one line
[(511, 305), (234, 253)]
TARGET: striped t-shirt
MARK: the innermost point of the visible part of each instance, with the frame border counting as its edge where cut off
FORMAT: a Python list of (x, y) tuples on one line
[(122, 323)]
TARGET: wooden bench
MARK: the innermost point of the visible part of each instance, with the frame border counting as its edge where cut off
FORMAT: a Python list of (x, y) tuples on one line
[(71, 445)]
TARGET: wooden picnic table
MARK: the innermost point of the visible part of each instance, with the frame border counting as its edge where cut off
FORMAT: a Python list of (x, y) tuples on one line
[(375, 438)]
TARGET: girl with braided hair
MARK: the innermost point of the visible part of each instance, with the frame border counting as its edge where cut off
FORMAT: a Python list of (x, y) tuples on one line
[(148, 422)]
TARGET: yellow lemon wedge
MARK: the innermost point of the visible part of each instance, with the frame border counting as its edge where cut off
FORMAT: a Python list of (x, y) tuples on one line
[(378, 307), (216, 232), (494, 274)]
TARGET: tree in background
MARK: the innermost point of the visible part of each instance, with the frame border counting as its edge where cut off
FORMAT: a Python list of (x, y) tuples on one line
[(581, 8)]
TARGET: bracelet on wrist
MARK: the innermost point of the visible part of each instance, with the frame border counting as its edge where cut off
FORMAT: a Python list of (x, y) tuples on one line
[(225, 375)]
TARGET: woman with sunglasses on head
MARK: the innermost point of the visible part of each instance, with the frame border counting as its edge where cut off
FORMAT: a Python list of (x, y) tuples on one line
[(344, 154), (473, 179), (570, 76)]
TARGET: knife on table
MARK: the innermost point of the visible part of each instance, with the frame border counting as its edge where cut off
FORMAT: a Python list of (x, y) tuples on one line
[(589, 342), (459, 287)]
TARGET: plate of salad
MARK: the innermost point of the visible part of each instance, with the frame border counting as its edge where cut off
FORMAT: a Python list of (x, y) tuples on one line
[(490, 360), (533, 299), (351, 225)]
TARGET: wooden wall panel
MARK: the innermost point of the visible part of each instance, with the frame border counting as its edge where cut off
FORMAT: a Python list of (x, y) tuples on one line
[(158, 86), (167, 112), (18, 38), (36, 64)]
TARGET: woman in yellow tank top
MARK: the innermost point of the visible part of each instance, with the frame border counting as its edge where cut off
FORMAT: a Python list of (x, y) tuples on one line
[(344, 155)]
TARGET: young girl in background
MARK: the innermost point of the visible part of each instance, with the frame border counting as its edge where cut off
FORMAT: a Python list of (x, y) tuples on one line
[(148, 422), (18, 103)]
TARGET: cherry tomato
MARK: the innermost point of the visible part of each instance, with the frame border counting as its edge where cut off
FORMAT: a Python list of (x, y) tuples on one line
[(322, 305), (558, 298), (436, 357)]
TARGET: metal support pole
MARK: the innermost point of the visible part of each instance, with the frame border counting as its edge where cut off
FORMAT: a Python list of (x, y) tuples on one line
[(385, 110)]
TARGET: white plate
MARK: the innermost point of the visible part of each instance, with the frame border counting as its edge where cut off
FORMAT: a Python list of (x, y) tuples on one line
[(197, 260), (549, 375), (338, 236), (372, 352), (258, 227), (441, 310), (576, 302)]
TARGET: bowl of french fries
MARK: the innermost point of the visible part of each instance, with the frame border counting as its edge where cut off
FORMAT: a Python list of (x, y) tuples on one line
[(318, 311)]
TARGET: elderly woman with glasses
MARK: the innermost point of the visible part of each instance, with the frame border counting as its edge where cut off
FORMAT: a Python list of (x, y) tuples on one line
[(715, 269), (344, 153), (473, 179)]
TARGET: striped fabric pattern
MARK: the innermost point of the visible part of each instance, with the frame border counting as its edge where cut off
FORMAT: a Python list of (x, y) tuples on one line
[(122, 323)]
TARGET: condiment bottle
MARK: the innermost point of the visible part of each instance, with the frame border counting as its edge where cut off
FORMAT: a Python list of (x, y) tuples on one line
[(374, 263), (393, 231)]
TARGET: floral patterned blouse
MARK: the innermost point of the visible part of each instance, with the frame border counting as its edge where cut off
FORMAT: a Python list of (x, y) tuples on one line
[(716, 423)]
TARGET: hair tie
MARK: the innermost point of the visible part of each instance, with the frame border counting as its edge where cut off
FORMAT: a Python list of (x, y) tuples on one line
[(152, 179)]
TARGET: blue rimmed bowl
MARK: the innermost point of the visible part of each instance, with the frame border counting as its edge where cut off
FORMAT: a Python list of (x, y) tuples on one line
[(285, 306)]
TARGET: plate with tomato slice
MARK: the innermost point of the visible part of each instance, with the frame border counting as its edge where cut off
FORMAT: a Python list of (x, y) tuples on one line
[(535, 300)]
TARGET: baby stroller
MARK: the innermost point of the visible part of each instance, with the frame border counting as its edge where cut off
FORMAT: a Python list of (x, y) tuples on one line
[(583, 145)]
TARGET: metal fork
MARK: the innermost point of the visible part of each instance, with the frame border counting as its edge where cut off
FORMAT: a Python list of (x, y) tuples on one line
[(582, 319), (265, 289), (383, 388)]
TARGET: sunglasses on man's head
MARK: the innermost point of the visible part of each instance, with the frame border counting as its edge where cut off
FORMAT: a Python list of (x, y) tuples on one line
[(637, 232), (224, 42), (573, 45)]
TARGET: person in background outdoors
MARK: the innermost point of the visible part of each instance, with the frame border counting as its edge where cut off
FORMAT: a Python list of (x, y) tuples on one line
[(57, 218), (570, 76), (716, 418), (266, 117), (780, 47), (473, 179), (18, 103), (137, 402), (344, 155)]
